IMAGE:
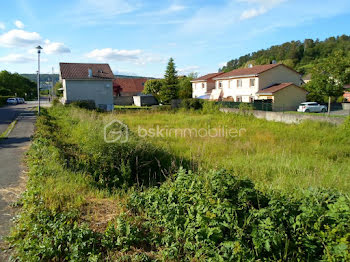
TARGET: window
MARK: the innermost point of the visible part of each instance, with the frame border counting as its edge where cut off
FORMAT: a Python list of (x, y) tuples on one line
[(239, 83), (238, 99), (220, 84), (252, 82), (251, 99), (203, 86)]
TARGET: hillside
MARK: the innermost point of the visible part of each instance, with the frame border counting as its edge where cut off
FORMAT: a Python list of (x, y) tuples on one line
[(297, 54)]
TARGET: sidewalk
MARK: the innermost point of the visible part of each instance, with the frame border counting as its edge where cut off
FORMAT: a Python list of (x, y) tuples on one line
[(12, 177)]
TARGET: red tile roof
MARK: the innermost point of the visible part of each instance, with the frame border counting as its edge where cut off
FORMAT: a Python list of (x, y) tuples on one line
[(275, 88), (255, 70), (129, 85), (207, 77), (81, 71)]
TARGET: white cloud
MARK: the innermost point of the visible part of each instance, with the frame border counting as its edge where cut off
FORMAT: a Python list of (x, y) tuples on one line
[(2, 26), (19, 38), (265, 6), (247, 14), (55, 48), (19, 24), (174, 8), (135, 56), (109, 54), (17, 59), (92, 12), (187, 70)]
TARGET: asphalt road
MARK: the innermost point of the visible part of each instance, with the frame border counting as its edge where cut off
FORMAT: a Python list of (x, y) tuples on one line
[(12, 170)]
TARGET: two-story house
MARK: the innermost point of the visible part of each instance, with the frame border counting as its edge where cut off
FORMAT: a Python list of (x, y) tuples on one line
[(92, 82), (276, 82), (203, 86)]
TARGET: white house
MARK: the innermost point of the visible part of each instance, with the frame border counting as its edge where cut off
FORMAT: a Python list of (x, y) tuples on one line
[(87, 82), (248, 84), (203, 86)]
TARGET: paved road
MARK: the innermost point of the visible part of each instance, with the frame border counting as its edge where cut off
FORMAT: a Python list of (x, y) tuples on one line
[(12, 149), (10, 112)]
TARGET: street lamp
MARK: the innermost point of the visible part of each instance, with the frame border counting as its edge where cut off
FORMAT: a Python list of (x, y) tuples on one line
[(39, 48)]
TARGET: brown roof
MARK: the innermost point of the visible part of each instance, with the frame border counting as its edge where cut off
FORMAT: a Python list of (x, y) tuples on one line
[(275, 88), (81, 71), (132, 85), (252, 71), (207, 77)]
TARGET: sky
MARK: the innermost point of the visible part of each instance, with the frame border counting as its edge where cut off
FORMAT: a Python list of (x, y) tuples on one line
[(138, 37)]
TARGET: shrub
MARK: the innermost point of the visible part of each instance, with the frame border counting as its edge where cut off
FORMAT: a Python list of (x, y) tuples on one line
[(86, 104), (215, 216), (210, 107), (3, 99), (192, 103)]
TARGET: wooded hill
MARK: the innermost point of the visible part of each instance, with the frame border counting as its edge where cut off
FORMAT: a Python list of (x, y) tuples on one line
[(299, 55)]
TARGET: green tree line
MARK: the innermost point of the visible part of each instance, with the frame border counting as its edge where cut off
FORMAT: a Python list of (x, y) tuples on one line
[(301, 55), (13, 84)]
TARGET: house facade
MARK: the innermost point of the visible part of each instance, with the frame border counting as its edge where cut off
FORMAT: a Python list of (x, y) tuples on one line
[(203, 86), (246, 85), (92, 82)]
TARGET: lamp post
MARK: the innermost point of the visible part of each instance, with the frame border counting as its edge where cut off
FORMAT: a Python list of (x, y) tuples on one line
[(39, 48)]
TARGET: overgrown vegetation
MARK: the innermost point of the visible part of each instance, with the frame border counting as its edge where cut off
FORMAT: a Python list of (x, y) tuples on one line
[(15, 85), (88, 200), (300, 55)]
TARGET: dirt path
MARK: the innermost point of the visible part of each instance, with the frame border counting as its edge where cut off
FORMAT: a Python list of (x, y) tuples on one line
[(12, 171)]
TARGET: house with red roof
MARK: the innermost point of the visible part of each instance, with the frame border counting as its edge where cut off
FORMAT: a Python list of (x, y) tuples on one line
[(92, 82), (128, 91), (203, 86), (128, 86), (276, 82)]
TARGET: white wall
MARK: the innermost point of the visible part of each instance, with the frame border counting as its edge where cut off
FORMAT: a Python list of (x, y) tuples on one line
[(230, 88), (100, 91), (198, 89)]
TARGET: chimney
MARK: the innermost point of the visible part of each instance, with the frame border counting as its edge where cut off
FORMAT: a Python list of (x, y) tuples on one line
[(90, 72), (250, 65)]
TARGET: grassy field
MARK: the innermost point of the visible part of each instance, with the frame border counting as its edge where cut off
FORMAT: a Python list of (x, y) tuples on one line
[(88, 200), (273, 155)]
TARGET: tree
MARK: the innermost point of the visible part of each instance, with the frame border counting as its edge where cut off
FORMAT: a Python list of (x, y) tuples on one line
[(170, 87), (185, 86), (329, 76), (153, 87), (56, 88), (16, 85)]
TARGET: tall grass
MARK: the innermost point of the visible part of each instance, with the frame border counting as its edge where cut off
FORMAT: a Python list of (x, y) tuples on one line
[(274, 155), (88, 200)]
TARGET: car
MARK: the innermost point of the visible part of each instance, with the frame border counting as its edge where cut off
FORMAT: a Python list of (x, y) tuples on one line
[(312, 107), (20, 100), (12, 101)]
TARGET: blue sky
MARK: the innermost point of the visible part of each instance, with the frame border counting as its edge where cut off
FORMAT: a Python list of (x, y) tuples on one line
[(138, 37)]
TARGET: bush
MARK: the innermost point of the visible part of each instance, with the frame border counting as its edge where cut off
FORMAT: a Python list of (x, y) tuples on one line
[(210, 107), (86, 104), (192, 103), (215, 216), (3, 99)]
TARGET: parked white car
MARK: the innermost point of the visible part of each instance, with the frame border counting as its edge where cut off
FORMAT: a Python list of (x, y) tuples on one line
[(312, 107), (12, 101)]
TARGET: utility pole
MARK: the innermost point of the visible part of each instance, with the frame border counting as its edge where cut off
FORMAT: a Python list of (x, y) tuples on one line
[(52, 85), (39, 48)]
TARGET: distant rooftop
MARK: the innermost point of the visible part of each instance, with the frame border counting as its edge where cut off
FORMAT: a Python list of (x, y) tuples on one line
[(81, 71)]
